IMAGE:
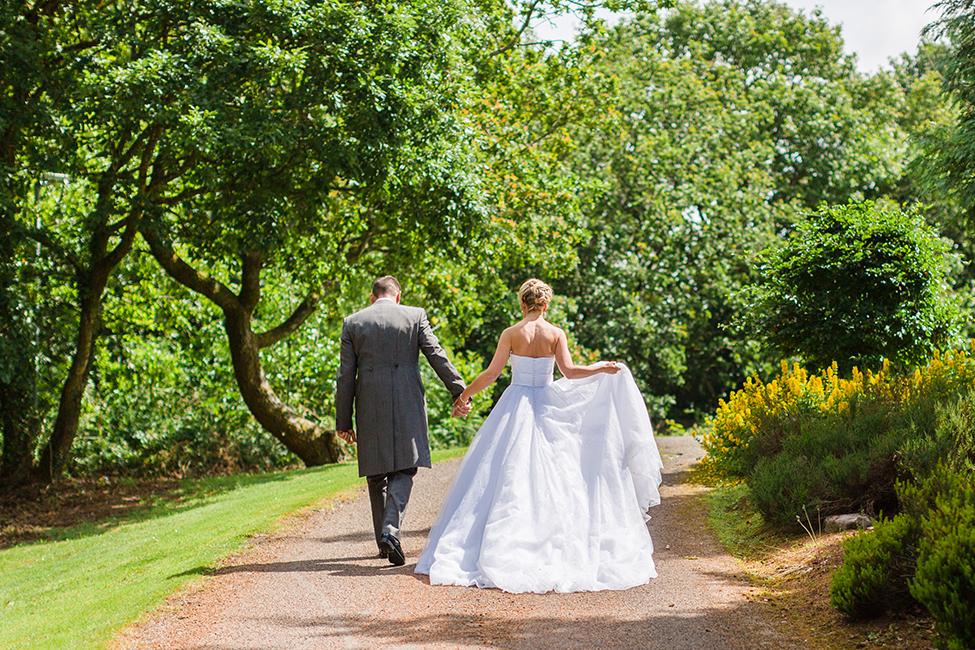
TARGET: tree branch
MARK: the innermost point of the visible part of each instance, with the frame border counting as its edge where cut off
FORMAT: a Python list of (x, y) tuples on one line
[(250, 280), (179, 270), (517, 37), (125, 245), (182, 196), (288, 327), (162, 179), (47, 241)]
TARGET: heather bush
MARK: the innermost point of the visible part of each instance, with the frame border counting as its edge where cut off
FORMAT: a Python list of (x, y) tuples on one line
[(944, 581), (922, 555), (835, 444), (876, 567)]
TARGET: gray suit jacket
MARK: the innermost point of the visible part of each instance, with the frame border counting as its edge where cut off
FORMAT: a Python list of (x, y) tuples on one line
[(380, 375)]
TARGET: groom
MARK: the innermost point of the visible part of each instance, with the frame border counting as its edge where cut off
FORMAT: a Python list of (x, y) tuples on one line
[(378, 373)]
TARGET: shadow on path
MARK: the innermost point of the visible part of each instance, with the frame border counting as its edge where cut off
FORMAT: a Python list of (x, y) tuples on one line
[(652, 631)]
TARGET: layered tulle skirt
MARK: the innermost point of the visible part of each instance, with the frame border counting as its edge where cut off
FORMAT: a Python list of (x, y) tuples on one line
[(553, 493)]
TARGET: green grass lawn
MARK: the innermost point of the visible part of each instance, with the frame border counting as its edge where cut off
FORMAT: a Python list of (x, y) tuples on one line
[(79, 591)]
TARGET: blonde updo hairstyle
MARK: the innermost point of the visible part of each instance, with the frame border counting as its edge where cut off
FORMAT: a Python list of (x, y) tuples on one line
[(534, 295)]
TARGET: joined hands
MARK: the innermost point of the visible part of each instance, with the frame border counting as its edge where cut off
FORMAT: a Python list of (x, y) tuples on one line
[(461, 407)]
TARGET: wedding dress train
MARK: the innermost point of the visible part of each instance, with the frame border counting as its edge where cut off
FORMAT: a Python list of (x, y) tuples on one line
[(553, 492)]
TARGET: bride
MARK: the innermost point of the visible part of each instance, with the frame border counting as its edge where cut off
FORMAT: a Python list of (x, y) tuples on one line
[(553, 492)]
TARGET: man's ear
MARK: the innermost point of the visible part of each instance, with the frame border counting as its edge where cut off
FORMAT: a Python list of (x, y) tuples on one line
[(372, 298), (398, 294)]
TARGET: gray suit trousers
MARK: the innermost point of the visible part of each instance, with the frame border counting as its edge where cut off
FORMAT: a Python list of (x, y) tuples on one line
[(389, 493)]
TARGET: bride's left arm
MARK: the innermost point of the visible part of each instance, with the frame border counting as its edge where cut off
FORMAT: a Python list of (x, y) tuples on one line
[(571, 371), (493, 371)]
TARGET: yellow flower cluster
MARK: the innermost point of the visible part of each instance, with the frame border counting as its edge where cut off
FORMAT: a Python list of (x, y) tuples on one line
[(775, 408)]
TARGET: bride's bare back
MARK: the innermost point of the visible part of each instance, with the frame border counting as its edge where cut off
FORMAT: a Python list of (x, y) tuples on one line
[(535, 337)]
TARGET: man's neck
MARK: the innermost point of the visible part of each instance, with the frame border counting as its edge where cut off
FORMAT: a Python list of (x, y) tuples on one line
[(385, 298)]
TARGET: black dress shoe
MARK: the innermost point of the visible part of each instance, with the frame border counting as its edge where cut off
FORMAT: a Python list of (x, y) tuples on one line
[(383, 554), (391, 545)]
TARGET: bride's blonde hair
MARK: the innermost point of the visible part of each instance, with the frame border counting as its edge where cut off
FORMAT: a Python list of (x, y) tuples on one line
[(535, 295)]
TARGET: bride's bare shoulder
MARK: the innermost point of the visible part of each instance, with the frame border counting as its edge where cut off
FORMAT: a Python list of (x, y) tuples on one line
[(554, 329)]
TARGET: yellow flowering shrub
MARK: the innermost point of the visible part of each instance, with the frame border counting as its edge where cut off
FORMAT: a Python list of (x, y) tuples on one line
[(773, 410)]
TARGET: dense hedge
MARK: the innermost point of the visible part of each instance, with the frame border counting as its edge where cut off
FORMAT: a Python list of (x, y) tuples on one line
[(924, 553), (898, 446), (837, 444)]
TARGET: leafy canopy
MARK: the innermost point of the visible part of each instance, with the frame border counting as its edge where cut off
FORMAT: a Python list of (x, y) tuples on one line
[(856, 284)]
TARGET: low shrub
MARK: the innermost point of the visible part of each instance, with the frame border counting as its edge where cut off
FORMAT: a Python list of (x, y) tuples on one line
[(944, 581), (781, 485), (831, 444), (922, 555), (951, 442), (876, 567)]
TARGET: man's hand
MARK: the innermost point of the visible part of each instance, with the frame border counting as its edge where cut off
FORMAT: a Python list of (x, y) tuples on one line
[(461, 408), (348, 436)]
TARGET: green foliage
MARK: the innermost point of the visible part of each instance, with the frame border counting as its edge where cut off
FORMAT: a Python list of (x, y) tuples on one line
[(729, 120), (446, 431), (876, 568), (163, 400), (315, 134), (924, 552), (950, 442), (831, 445), (829, 467), (950, 151), (856, 284), (638, 169), (944, 581)]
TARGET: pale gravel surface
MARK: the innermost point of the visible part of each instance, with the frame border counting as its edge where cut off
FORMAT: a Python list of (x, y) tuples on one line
[(320, 584)]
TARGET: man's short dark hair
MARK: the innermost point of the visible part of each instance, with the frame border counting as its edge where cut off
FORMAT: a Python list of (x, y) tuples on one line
[(385, 286)]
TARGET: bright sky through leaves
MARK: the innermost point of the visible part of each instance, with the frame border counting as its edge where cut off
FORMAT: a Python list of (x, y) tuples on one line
[(874, 29)]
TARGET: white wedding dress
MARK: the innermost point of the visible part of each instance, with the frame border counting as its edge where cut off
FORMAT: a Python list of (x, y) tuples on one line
[(553, 492)]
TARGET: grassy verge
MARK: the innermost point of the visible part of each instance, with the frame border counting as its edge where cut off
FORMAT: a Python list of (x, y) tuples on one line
[(77, 591), (795, 572)]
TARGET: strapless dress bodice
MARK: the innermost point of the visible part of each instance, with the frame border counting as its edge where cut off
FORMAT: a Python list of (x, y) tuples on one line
[(532, 371)]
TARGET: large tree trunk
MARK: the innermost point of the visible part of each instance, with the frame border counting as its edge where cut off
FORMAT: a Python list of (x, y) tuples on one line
[(302, 437), (91, 282), (55, 453), (312, 444)]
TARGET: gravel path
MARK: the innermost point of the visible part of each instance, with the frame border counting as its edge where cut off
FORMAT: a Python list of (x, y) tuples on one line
[(320, 584)]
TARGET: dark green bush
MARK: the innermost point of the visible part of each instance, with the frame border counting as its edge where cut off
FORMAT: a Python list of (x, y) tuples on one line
[(856, 284), (949, 442), (876, 567), (781, 485), (945, 578), (831, 466), (925, 554)]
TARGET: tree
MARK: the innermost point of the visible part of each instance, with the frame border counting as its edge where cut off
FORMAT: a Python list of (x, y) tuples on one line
[(262, 134), (731, 120), (952, 149), (856, 284), (362, 155)]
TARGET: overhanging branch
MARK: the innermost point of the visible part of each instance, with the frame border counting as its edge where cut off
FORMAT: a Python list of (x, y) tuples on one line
[(288, 327)]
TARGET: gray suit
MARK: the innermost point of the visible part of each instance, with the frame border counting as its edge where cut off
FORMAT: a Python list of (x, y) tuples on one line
[(379, 374)]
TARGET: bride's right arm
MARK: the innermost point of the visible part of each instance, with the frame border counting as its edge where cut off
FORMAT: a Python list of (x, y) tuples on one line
[(493, 371), (571, 371)]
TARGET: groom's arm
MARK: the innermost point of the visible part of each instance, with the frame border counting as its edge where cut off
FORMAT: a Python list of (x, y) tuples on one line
[(435, 354), (345, 382)]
